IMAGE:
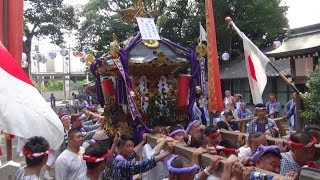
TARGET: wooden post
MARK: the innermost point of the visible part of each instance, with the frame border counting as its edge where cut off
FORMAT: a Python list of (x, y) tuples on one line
[(298, 121), (15, 29), (9, 149), (11, 32), (1, 22)]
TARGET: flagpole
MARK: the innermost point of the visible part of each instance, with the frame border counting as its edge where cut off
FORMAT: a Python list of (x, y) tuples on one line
[(230, 22)]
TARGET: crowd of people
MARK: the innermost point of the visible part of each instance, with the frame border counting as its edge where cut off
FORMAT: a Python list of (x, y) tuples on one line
[(236, 109), (90, 152)]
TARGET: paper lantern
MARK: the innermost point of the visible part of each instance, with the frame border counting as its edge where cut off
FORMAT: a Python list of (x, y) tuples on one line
[(225, 56), (183, 90), (276, 44), (75, 53), (52, 54), (81, 54), (107, 86), (24, 64), (64, 52)]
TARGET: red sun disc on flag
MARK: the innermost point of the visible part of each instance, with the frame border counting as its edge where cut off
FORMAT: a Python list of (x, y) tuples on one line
[(252, 70)]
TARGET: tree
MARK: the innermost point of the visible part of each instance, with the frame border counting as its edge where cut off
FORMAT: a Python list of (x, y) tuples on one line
[(179, 21), (93, 35), (55, 85), (46, 18), (97, 36), (78, 85), (260, 20), (311, 111)]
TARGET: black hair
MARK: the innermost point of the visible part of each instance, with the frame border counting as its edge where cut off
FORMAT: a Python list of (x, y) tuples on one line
[(110, 140), (181, 162), (72, 132), (227, 143), (124, 138), (157, 129), (95, 150), (260, 105), (62, 112), (274, 132), (311, 128), (273, 94), (255, 135), (243, 103), (222, 125), (36, 144), (210, 129), (197, 140), (105, 142), (74, 117), (301, 137), (228, 113)]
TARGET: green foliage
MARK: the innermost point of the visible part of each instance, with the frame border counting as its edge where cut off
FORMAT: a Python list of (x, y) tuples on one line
[(77, 85), (55, 85), (96, 31), (97, 35), (40, 87), (260, 20), (180, 22), (48, 18), (311, 99)]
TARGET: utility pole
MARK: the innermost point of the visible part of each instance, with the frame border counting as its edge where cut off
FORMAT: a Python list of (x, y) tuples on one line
[(69, 74), (64, 79), (66, 76)]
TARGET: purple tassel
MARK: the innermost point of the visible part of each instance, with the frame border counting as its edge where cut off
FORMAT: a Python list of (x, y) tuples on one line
[(99, 92), (195, 68), (135, 39)]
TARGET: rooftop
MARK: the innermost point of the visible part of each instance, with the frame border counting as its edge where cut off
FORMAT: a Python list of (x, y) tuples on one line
[(303, 41), (237, 69)]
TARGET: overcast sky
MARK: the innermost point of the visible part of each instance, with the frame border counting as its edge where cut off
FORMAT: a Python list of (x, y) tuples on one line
[(303, 12)]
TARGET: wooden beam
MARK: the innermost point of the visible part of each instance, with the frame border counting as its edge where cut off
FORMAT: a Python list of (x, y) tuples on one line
[(234, 137), (243, 122), (204, 159)]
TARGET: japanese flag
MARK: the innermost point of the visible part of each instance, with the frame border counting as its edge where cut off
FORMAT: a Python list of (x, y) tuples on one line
[(23, 111), (256, 63)]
